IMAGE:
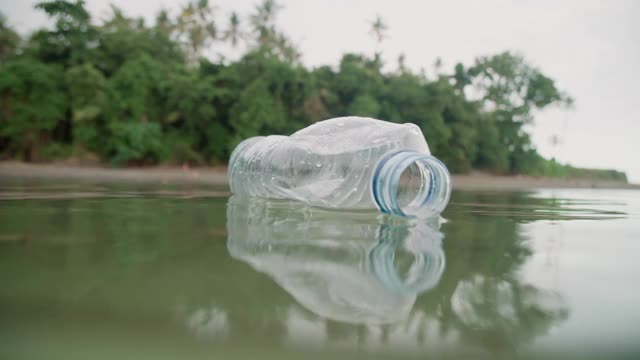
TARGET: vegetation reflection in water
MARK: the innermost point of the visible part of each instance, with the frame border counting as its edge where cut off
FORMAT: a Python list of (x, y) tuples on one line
[(367, 276), (165, 267)]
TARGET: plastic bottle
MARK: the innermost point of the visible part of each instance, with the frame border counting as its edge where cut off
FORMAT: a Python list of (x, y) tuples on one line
[(347, 162)]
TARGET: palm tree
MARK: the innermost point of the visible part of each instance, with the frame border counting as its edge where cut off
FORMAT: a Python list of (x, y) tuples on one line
[(263, 21), (234, 33), (195, 27), (163, 22), (378, 29), (402, 64), (286, 49)]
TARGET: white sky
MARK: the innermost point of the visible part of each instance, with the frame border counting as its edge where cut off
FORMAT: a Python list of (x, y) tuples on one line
[(591, 48)]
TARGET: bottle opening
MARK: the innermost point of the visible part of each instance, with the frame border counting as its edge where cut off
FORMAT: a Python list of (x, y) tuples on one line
[(413, 185), (408, 183)]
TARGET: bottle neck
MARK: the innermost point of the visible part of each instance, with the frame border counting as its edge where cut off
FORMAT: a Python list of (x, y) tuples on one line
[(409, 183)]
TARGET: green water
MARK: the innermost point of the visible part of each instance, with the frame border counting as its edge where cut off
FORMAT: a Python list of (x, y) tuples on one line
[(103, 272)]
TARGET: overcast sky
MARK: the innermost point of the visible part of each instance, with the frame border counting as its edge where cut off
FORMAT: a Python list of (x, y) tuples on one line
[(591, 48)]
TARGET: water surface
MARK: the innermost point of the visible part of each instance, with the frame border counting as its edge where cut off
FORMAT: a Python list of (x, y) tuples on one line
[(104, 272)]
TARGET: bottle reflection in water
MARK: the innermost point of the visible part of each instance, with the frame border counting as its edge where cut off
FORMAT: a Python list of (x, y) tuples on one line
[(353, 267)]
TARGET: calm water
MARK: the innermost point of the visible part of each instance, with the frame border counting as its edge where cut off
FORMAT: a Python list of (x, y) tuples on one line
[(97, 272)]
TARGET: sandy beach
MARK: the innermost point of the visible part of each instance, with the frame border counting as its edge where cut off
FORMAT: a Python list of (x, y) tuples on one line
[(160, 175)]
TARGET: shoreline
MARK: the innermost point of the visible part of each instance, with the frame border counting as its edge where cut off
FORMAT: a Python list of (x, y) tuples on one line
[(217, 176)]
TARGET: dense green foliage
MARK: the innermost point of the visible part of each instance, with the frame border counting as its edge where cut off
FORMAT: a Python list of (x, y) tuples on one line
[(134, 93)]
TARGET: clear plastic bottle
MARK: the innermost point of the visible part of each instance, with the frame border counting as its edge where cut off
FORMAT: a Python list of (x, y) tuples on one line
[(347, 162)]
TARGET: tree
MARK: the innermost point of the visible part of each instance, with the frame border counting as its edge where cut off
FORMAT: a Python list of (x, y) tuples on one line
[(163, 23), (263, 22), (510, 90), (9, 40), (234, 33), (70, 42), (122, 38), (88, 96), (32, 105), (402, 64), (507, 83), (357, 76), (195, 28), (190, 119), (256, 112), (378, 29), (267, 38)]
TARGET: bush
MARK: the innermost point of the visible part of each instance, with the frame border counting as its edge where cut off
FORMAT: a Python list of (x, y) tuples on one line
[(135, 143)]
